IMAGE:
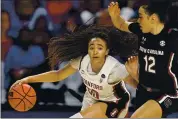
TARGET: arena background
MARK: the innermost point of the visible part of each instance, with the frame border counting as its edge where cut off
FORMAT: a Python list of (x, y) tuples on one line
[(28, 25)]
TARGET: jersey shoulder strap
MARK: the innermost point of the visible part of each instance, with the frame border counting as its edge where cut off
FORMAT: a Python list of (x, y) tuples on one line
[(109, 65), (81, 62), (84, 62)]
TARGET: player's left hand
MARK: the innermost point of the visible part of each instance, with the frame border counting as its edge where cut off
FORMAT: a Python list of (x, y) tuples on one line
[(132, 66), (114, 9)]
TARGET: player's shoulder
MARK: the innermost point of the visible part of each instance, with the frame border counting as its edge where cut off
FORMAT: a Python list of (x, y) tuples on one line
[(113, 60)]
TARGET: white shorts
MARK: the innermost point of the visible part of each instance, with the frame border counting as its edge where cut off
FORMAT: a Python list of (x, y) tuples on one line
[(114, 110), (87, 101)]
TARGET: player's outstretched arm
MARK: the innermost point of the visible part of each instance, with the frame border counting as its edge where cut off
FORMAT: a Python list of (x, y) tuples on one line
[(51, 76), (118, 21)]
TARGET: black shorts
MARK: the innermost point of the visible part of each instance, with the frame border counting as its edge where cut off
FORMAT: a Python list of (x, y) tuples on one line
[(115, 108), (168, 103)]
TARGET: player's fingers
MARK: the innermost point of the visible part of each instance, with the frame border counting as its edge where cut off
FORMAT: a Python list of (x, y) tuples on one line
[(110, 4), (16, 83), (135, 57), (13, 85), (113, 3), (109, 8), (22, 82), (19, 82), (128, 59), (131, 58)]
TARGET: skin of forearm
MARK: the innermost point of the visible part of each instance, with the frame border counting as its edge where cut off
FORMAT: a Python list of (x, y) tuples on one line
[(118, 21), (51, 76), (130, 81), (136, 78), (134, 83)]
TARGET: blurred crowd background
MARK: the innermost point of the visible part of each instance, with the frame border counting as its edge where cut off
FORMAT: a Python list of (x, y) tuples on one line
[(26, 28)]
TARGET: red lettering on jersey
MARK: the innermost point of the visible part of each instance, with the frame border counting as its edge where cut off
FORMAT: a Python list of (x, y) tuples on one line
[(93, 92)]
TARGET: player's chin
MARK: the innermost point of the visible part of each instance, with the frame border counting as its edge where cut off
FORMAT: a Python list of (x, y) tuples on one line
[(96, 60), (144, 31)]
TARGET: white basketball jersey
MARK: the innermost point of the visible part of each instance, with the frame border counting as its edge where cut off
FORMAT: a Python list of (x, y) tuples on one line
[(97, 85)]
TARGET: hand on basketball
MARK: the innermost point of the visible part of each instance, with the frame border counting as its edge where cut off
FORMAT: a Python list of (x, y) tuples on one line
[(132, 66), (114, 9), (20, 82), (22, 97)]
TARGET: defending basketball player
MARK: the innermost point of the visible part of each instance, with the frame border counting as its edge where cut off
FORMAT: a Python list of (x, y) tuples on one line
[(103, 75), (157, 91)]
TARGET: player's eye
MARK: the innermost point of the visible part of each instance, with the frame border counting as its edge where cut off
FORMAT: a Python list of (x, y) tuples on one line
[(100, 48), (91, 48)]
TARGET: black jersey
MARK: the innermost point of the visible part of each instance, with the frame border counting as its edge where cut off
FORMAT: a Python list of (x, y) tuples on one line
[(158, 59)]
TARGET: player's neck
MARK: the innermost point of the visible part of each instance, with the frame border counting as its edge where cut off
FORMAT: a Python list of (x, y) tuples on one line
[(157, 28), (97, 66)]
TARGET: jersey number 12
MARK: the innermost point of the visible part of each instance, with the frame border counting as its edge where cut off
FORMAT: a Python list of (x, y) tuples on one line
[(150, 63)]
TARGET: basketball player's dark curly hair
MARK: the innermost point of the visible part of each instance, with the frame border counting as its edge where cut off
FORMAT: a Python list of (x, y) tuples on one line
[(75, 44)]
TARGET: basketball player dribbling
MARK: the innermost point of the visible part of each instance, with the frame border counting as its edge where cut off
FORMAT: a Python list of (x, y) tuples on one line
[(157, 91), (103, 75)]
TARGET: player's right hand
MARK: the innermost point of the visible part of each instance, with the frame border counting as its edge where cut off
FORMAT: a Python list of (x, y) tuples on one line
[(114, 9), (20, 82)]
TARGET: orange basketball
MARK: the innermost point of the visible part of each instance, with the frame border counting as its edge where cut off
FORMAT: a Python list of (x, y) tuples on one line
[(22, 97)]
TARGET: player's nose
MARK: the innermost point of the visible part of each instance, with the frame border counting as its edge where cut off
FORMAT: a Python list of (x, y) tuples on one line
[(95, 51)]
